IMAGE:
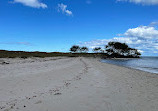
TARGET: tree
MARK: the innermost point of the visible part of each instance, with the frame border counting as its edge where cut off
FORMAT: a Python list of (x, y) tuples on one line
[(75, 48), (84, 49), (117, 49), (133, 52), (97, 50)]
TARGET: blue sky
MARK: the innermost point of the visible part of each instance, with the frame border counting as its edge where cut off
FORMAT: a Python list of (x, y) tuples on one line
[(56, 25)]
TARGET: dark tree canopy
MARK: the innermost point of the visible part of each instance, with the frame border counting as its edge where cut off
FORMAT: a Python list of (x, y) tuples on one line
[(75, 48), (84, 49), (118, 45), (117, 49), (97, 50)]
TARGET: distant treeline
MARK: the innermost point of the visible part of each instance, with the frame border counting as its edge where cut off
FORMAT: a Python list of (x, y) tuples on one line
[(112, 50), (23, 54)]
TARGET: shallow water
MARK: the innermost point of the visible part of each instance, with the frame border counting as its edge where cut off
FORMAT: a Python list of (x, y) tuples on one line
[(148, 64)]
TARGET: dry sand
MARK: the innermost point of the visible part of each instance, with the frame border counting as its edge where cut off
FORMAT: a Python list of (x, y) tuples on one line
[(74, 84)]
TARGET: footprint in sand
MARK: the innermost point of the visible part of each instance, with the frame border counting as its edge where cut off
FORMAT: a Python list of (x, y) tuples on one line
[(38, 102), (57, 94)]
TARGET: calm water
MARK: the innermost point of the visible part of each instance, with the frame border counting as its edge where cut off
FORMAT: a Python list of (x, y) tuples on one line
[(149, 64)]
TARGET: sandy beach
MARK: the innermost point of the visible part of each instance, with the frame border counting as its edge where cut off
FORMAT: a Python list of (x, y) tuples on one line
[(74, 84)]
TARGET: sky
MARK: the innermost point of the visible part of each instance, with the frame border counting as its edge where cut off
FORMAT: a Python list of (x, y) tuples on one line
[(56, 25)]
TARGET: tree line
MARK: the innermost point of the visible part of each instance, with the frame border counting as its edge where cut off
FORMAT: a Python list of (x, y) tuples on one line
[(112, 49)]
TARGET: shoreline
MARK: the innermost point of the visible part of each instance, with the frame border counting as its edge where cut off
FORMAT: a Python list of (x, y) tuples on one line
[(129, 68), (75, 84), (149, 69)]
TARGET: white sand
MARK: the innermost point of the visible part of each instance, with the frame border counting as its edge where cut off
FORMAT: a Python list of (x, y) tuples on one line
[(74, 84)]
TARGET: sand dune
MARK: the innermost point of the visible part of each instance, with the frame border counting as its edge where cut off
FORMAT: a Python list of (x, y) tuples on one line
[(74, 84)]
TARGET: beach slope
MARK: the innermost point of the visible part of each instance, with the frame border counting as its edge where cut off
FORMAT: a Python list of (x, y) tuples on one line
[(74, 84)]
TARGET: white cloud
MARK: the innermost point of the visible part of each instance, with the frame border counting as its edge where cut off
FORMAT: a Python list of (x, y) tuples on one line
[(16, 43), (31, 3), (63, 8), (153, 24), (143, 38), (142, 32), (143, 2)]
